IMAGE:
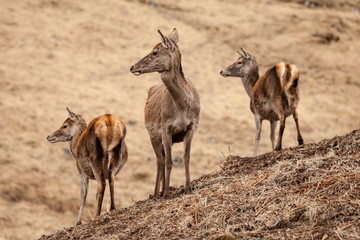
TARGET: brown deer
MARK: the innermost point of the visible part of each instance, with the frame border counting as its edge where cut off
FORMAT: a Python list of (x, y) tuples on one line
[(99, 149), (273, 97), (172, 108)]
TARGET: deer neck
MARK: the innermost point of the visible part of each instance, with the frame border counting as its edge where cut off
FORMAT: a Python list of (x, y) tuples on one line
[(177, 85), (74, 143), (250, 79)]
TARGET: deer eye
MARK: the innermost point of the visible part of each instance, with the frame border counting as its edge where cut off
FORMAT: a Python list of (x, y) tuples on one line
[(239, 62), (155, 52), (65, 126)]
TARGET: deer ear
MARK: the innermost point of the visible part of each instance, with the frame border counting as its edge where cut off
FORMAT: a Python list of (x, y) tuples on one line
[(164, 41), (245, 54), (72, 115), (174, 36), (242, 55)]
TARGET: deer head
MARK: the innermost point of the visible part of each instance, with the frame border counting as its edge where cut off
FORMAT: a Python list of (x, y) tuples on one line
[(242, 67), (161, 57), (67, 130)]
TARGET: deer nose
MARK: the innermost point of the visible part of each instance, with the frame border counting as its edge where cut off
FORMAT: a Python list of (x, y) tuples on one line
[(132, 67), (221, 72)]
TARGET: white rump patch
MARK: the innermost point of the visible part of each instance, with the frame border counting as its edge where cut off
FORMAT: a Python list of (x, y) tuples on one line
[(293, 70), (116, 136), (281, 72), (293, 75)]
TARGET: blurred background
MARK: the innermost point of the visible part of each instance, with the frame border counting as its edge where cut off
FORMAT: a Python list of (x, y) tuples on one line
[(77, 54)]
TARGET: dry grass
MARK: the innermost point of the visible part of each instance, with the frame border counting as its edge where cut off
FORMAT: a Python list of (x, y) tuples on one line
[(307, 192)]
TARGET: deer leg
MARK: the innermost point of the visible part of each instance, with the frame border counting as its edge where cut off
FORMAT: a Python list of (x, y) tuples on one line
[(114, 157), (295, 115), (163, 175), (159, 152), (281, 131), (258, 122), (272, 133), (98, 171), (111, 185), (84, 191), (186, 158), (167, 141), (101, 189), (97, 160), (100, 178)]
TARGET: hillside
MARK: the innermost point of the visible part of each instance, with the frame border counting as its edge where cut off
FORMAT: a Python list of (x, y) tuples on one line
[(306, 192), (77, 54)]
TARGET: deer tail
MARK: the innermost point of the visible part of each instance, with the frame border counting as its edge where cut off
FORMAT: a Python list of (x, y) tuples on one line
[(293, 77), (109, 155), (288, 76)]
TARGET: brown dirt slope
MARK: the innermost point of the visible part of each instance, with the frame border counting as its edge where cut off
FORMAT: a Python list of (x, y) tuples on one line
[(305, 192)]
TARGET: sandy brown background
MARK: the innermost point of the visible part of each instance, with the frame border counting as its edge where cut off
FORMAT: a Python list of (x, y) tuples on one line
[(78, 54)]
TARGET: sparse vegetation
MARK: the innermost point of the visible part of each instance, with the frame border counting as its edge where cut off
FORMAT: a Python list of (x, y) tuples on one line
[(305, 192)]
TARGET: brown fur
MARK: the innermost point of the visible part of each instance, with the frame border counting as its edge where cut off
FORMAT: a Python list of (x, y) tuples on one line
[(99, 149), (172, 109), (273, 97)]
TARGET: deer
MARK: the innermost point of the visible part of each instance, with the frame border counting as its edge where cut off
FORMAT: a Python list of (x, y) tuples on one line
[(99, 150), (273, 96), (172, 109)]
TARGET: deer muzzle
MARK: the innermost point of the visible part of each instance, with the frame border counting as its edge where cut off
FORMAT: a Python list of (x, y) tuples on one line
[(134, 70), (55, 137), (224, 73), (51, 139)]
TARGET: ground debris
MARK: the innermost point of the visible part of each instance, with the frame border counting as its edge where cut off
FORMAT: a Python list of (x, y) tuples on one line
[(305, 192)]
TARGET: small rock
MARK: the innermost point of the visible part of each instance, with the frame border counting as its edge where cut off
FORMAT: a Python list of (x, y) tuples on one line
[(132, 122), (153, 4), (67, 152), (51, 55), (178, 162), (325, 38)]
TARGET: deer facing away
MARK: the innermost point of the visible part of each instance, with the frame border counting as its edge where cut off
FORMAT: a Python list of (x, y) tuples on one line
[(99, 149), (172, 109), (273, 97)]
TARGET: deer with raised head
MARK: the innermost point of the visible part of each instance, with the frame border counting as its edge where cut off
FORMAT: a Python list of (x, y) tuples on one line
[(273, 97), (172, 109), (99, 150)]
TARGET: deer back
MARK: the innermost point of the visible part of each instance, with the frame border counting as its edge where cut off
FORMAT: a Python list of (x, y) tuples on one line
[(277, 85), (107, 130)]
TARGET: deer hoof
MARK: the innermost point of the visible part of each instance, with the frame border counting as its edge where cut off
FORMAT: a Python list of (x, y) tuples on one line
[(277, 148), (78, 223), (188, 190), (155, 196), (165, 195), (301, 141)]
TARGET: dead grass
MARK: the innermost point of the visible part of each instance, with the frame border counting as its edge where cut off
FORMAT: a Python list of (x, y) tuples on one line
[(306, 192)]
